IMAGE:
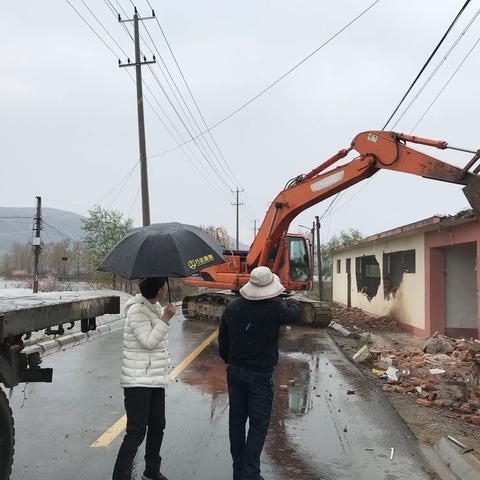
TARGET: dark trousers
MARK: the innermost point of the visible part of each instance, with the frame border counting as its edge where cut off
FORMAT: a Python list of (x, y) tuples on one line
[(145, 409), (251, 397)]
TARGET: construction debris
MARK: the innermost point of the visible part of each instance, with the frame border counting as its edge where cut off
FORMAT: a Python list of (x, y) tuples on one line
[(341, 329), (435, 379), (438, 344), (359, 321), (363, 355)]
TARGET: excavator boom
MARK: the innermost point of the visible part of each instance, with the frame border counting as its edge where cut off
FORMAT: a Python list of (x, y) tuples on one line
[(377, 151), (284, 253)]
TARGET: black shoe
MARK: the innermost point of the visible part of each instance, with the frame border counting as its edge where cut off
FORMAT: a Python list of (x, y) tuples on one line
[(156, 476)]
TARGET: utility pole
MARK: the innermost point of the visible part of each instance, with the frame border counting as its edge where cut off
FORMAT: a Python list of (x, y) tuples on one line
[(237, 204), (36, 243), (319, 259), (254, 228), (311, 254), (141, 119)]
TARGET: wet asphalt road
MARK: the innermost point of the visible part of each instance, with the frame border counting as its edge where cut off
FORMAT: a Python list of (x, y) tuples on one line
[(318, 430)]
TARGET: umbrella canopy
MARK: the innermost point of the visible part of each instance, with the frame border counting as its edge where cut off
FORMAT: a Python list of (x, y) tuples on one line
[(163, 250)]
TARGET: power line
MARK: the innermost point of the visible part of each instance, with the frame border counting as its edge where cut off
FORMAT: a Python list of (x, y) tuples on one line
[(337, 197), (344, 204), (219, 176), (227, 169), (198, 128), (445, 86), (55, 229), (134, 202), (427, 63), (103, 27), (129, 173), (92, 29), (279, 79), (121, 188), (442, 61), (233, 176), (108, 3), (195, 165), (194, 139)]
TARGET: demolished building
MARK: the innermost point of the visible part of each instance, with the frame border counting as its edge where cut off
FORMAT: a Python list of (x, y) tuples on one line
[(424, 275)]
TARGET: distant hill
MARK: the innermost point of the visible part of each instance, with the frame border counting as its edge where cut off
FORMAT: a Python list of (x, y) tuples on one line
[(16, 226)]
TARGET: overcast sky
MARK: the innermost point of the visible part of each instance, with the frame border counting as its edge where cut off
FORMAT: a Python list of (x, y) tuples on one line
[(68, 114)]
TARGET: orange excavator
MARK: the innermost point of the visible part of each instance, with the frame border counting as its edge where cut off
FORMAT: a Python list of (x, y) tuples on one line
[(287, 254)]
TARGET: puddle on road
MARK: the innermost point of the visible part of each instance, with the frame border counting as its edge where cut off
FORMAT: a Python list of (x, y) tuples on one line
[(318, 430)]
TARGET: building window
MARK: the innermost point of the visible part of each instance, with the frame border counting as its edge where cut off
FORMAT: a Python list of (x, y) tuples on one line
[(339, 266), (367, 272), (395, 264)]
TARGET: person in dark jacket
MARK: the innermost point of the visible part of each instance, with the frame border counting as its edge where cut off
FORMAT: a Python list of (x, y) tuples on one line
[(248, 343)]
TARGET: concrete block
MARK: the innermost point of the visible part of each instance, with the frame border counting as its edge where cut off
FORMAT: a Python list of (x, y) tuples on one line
[(33, 349), (362, 355), (466, 466), (79, 337), (50, 346), (66, 341)]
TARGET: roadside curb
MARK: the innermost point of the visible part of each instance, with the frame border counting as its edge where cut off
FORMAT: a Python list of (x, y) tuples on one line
[(72, 340), (464, 466), (443, 457)]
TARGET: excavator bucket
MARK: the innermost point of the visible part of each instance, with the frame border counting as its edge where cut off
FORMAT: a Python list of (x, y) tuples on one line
[(472, 192)]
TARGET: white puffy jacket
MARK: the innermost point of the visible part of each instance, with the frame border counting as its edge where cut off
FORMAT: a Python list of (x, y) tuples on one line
[(146, 359)]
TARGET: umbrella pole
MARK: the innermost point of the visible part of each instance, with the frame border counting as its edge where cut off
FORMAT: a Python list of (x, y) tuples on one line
[(169, 292)]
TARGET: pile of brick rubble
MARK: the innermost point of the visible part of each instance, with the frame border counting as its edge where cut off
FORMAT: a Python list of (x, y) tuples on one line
[(358, 320), (444, 374)]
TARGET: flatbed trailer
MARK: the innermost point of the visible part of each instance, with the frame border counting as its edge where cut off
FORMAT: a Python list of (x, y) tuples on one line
[(20, 316)]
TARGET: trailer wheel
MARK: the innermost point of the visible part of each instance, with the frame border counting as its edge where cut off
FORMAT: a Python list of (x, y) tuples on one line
[(7, 437)]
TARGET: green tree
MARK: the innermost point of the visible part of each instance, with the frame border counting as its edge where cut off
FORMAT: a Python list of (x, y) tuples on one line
[(343, 239), (103, 230), (218, 233)]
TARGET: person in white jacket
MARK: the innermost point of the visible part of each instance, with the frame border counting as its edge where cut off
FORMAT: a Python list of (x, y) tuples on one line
[(145, 374)]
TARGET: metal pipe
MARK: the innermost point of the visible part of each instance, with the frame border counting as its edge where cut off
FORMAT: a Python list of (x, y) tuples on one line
[(458, 149)]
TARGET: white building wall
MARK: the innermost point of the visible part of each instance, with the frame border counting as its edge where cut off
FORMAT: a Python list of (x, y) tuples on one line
[(408, 304)]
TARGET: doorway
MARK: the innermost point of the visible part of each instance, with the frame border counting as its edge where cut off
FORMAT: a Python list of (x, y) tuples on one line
[(461, 307)]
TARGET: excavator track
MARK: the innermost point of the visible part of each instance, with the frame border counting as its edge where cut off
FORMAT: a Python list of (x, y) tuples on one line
[(7, 437), (209, 307)]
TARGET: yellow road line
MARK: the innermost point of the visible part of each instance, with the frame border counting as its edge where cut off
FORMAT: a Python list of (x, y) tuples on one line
[(119, 426), (111, 434), (188, 360)]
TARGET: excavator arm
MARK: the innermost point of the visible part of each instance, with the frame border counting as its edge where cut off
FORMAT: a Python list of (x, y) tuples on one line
[(377, 151)]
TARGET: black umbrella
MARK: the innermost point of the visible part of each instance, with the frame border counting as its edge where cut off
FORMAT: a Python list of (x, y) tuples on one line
[(163, 250)]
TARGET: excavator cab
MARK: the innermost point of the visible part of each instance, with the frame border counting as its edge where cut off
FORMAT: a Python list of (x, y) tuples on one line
[(298, 259)]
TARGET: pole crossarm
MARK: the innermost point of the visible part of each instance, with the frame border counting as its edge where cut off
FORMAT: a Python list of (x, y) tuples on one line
[(147, 62), (126, 20)]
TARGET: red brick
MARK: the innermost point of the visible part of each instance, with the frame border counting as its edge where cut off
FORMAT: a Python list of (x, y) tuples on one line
[(426, 385), (423, 403), (466, 408)]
